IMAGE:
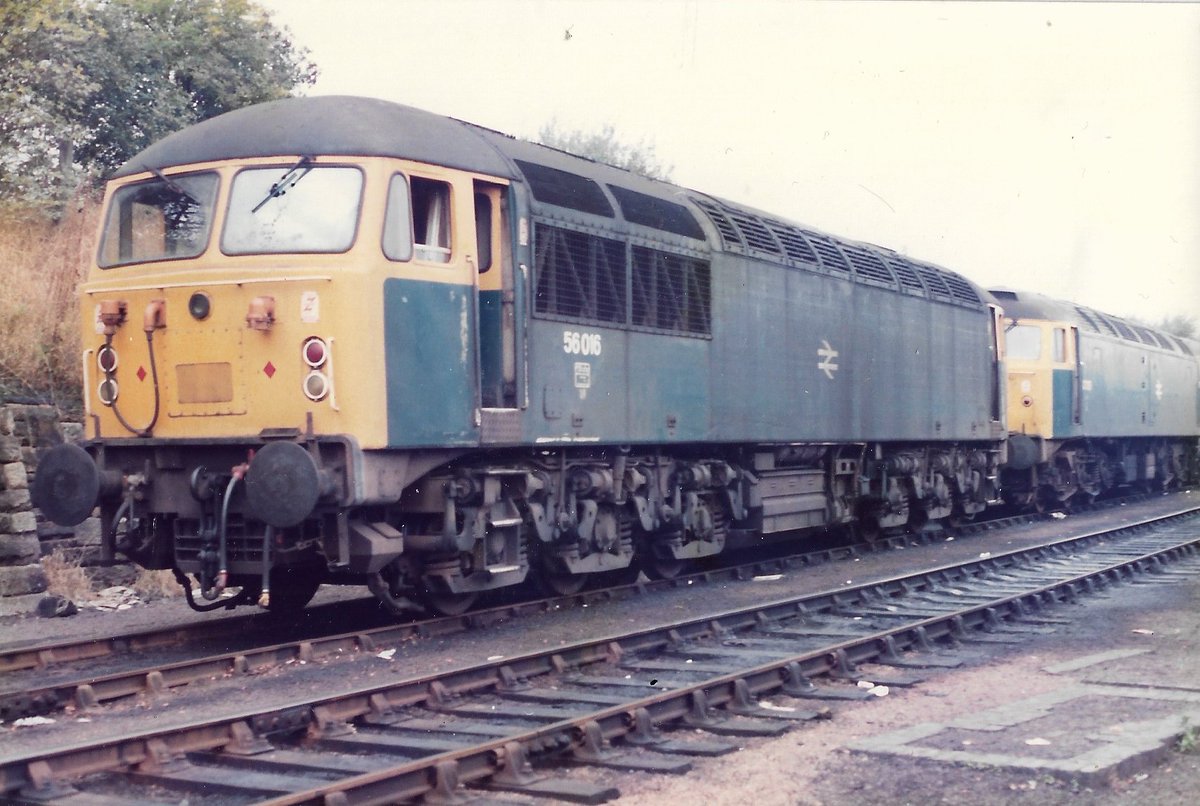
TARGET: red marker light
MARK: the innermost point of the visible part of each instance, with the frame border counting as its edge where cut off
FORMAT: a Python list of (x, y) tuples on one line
[(106, 359), (315, 352)]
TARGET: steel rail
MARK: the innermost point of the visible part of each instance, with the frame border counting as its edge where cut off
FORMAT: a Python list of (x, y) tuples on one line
[(20, 656), (92, 690), (505, 757), (32, 655), (508, 755)]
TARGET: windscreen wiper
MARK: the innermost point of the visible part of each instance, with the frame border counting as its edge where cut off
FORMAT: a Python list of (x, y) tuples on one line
[(171, 184), (287, 181)]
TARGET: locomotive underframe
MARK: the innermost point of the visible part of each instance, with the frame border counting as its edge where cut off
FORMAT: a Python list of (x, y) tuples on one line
[(1074, 470), (447, 525)]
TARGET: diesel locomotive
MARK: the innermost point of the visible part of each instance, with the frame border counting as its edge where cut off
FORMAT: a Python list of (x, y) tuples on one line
[(1094, 402), (340, 340)]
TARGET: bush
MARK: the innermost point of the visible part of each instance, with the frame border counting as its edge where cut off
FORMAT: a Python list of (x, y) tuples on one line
[(44, 259)]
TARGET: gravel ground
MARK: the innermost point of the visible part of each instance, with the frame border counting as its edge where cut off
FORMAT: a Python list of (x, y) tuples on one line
[(808, 765)]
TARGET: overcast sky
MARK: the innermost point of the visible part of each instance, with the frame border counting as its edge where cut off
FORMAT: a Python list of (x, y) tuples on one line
[(1050, 147)]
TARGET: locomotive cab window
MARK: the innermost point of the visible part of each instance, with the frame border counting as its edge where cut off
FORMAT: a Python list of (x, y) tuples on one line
[(1060, 345), (1024, 342), (397, 228), (303, 208), (418, 220), (483, 230), (431, 220), (165, 218)]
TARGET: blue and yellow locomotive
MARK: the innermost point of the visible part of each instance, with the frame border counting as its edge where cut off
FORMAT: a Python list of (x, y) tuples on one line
[(1094, 402), (341, 340)]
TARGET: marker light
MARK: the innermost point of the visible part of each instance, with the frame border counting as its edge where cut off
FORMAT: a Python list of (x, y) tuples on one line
[(107, 392), (106, 359), (316, 385), (315, 352)]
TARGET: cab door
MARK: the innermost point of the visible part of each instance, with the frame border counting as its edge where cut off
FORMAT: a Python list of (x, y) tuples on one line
[(495, 299), (1065, 373)]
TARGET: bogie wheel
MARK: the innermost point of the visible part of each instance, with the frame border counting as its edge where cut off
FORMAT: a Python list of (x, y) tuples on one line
[(292, 587), (620, 576), (559, 583), (448, 604), (663, 568), (957, 518), (867, 529)]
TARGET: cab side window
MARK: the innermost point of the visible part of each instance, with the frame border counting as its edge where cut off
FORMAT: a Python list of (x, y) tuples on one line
[(397, 228), (1060, 345), (431, 220), (418, 220)]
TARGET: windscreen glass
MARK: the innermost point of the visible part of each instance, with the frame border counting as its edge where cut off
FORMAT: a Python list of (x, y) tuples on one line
[(1024, 342), (165, 218), (299, 209)]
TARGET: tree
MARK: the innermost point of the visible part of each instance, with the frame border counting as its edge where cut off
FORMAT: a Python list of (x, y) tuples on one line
[(604, 146), (1179, 325), (89, 83)]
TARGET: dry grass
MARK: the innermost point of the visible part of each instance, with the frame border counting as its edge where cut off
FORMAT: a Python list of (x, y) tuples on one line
[(156, 585), (66, 577), (42, 262)]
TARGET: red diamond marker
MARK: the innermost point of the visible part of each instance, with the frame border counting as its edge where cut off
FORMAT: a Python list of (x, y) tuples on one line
[(269, 369), (141, 373)]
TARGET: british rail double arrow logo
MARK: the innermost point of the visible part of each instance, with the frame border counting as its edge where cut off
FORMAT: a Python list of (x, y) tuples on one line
[(828, 363)]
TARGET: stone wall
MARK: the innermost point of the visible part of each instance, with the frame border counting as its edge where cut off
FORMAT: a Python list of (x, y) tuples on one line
[(23, 429), (26, 431)]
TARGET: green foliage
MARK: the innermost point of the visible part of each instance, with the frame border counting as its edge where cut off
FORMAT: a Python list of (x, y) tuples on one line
[(89, 83), (604, 146), (1188, 741)]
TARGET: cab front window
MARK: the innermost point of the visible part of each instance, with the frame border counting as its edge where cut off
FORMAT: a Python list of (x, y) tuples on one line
[(165, 218), (1024, 342), (304, 208)]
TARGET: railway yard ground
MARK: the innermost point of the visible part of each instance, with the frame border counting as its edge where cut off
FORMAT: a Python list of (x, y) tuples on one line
[(1102, 708)]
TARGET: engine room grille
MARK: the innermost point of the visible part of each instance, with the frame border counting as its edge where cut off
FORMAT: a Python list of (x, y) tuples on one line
[(746, 231), (579, 276), (906, 273), (729, 233), (831, 257), (868, 265), (933, 281), (793, 242), (1087, 319), (960, 288), (670, 292)]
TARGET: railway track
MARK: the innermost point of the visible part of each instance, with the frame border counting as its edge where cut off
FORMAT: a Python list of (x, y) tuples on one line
[(52, 681), (486, 725)]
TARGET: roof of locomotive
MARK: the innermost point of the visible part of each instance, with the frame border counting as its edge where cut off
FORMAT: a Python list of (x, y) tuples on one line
[(336, 125), (1029, 305), (354, 126)]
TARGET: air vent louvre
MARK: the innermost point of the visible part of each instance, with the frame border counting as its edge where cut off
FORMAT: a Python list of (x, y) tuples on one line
[(831, 257), (869, 266), (729, 233), (906, 273), (793, 242)]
